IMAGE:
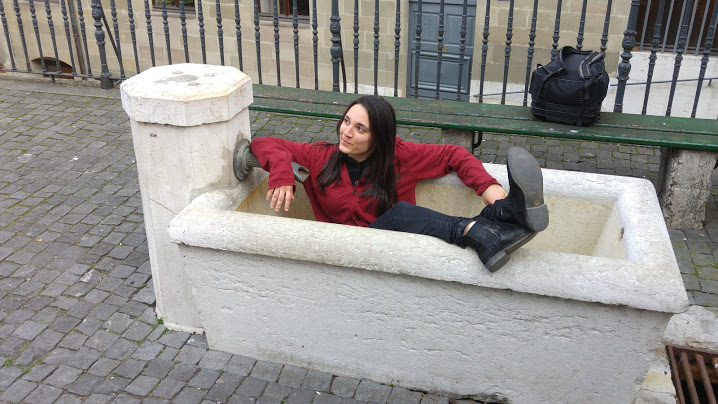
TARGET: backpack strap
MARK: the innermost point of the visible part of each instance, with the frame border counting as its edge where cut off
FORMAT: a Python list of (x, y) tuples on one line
[(584, 68)]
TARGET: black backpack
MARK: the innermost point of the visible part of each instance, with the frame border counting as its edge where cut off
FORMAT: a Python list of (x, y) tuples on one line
[(571, 88)]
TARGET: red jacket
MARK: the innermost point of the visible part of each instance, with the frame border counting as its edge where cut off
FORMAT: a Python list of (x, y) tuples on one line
[(341, 202)]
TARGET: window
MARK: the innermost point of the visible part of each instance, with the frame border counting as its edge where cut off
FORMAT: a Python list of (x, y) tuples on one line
[(284, 8), (698, 20), (174, 5)]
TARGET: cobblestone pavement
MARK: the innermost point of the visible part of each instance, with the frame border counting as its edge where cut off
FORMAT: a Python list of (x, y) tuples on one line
[(77, 320)]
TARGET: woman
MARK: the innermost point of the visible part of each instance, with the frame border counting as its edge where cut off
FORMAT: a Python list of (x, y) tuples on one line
[(369, 179)]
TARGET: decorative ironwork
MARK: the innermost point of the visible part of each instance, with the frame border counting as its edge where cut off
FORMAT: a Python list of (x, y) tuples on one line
[(706, 54), (336, 49), (51, 27), (238, 30), (653, 57), (183, 24), (462, 48), (624, 67), (556, 31), (376, 46), (68, 35), (165, 23), (439, 49), (484, 50), (16, 7), (397, 44), (257, 38), (275, 22), (220, 32), (356, 46), (507, 49), (679, 56), (7, 35), (606, 23), (105, 81), (200, 20), (33, 17), (118, 48), (668, 26), (295, 26), (581, 26), (149, 32), (417, 57), (133, 34), (315, 41), (530, 55)]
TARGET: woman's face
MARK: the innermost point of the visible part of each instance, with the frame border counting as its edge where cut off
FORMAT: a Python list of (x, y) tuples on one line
[(355, 138)]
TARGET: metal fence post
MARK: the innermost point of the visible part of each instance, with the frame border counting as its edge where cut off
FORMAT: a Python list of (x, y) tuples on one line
[(105, 81), (336, 48), (629, 40)]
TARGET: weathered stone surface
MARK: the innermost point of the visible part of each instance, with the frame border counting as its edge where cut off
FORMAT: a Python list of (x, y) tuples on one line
[(686, 187)]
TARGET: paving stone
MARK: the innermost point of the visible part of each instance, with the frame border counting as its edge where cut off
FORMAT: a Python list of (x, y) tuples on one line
[(372, 392), (112, 385), (204, 379), (103, 311), (184, 372), (326, 399), (301, 396), (102, 340), (158, 368), (142, 385), (73, 340), (47, 340), (403, 396), (38, 373), (121, 349), (190, 354), (8, 375), (84, 385), (58, 356), (148, 351), (251, 386), (97, 399), (145, 295), (277, 391), (29, 330), (18, 391), (318, 381), (240, 365), (89, 326), (292, 376), (189, 395), (215, 360), (84, 358), (433, 399), (268, 371), (169, 354), (137, 331), (175, 339), (103, 366), (168, 388), (224, 387), (130, 368), (63, 376), (44, 395)]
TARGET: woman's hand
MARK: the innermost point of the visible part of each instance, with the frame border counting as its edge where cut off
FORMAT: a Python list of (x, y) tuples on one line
[(279, 195), (493, 193)]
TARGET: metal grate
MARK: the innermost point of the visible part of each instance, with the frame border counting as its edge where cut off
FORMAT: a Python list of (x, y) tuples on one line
[(695, 372)]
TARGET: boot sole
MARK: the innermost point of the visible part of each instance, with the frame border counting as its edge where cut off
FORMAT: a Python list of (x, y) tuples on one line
[(524, 170), (498, 260)]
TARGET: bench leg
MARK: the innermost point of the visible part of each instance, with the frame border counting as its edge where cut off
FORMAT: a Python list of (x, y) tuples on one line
[(459, 137), (685, 187)]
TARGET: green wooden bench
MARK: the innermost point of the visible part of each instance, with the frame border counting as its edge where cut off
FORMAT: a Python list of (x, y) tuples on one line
[(691, 144)]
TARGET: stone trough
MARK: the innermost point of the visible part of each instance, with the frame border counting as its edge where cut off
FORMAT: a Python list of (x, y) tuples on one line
[(575, 316)]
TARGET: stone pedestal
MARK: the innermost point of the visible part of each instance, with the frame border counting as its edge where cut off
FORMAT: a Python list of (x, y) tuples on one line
[(185, 121), (458, 137), (685, 187)]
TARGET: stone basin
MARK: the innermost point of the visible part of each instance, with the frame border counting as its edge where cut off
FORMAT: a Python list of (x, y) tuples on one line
[(575, 316)]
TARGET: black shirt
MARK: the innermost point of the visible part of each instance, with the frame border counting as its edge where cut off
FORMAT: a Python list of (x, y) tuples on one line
[(355, 168)]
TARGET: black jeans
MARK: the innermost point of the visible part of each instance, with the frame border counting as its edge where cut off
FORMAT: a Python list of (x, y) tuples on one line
[(419, 220)]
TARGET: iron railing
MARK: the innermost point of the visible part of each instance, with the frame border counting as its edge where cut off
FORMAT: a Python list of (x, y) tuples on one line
[(19, 50)]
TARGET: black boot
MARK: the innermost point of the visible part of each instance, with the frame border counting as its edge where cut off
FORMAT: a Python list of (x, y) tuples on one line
[(494, 241), (525, 202)]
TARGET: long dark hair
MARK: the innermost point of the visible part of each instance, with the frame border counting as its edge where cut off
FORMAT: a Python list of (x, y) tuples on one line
[(380, 173)]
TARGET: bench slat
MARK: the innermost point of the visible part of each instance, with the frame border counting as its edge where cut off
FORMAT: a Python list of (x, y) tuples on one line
[(676, 132)]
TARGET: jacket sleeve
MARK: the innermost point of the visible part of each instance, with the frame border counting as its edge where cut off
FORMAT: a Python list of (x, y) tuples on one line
[(276, 156), (423, 161)]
